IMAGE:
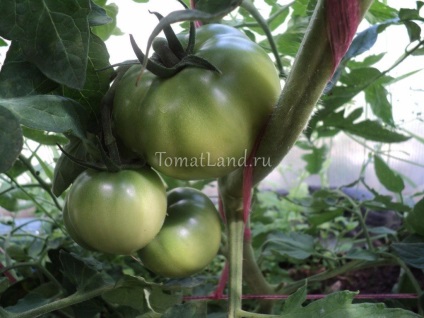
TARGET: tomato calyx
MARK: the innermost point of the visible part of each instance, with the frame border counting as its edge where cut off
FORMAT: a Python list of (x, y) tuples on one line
[(170, 57)]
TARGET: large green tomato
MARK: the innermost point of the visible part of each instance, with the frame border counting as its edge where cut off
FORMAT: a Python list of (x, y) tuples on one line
[(189, 239), (115, 212), (199, 123)]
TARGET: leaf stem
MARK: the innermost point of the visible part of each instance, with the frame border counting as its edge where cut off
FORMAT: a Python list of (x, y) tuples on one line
[(44, 185), (249, 7), (235, 226)]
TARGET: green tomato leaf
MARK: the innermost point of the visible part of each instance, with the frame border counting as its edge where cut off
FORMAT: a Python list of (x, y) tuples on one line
[(410, 253), (98, 15), (159, 301), (295, 300), (374, 131), (130, 293), (296, 245), (376, 96), (18, 77), (414, 30), (11, 139), (390, 179), (83, 274), (37, 297), (97, 82), (2, 42), (315, 159), (380, 12), (48, 112), (339, 304), (54, 35), (104, 31)]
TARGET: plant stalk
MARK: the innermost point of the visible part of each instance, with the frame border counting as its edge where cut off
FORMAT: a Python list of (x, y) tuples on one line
[(312, 69), (233, 208)]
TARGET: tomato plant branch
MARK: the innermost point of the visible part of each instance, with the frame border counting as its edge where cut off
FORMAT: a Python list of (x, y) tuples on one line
[(235, 227), (73, 299)]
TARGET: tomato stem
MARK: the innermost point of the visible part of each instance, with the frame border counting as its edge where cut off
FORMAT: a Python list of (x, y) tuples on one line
[(235, 258)]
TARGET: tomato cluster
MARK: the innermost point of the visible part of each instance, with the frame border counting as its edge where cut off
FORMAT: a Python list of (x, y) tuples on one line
[(199, 123)]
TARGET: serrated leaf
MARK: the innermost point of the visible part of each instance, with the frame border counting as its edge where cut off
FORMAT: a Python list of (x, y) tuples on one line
[(11, 139), (48, 112), (315, 159), (374, 131), (410, 253), (81, 273), (18, 77), (390, 179), (53, 35), (376, 96)]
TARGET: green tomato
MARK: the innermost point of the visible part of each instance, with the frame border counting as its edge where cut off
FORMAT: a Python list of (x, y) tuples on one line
[(199, 124), (115, 212), (189, 239)]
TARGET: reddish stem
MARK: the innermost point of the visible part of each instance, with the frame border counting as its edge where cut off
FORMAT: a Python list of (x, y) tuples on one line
[(8, 275), (343, 17), (193, 6), (219, 291)]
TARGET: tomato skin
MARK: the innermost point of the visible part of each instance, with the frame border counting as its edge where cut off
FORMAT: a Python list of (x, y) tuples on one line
[(115, 212), (189, 239), (189, 126)]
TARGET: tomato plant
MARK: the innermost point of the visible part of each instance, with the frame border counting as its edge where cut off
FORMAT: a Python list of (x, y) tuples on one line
[(189, 239), (208, 121), (115, 212), (312, 224)]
